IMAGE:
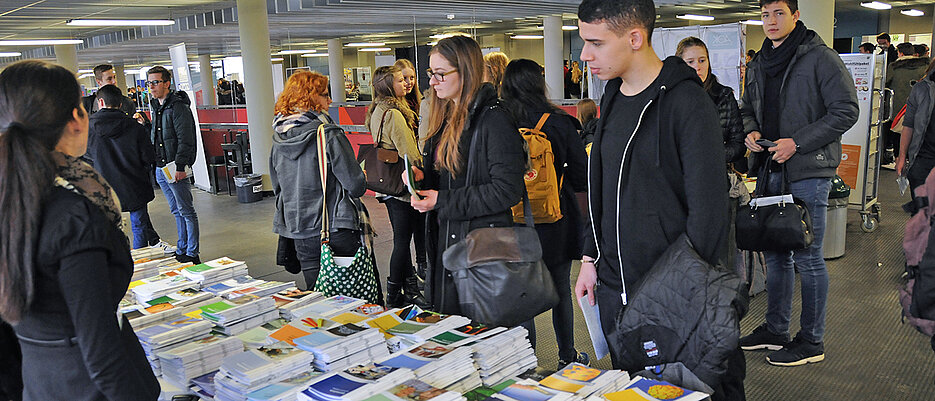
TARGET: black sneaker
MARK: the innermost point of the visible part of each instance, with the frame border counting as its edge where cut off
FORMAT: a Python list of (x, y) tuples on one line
[(762, 338), (183, 258), (798, 352), (581, 358)]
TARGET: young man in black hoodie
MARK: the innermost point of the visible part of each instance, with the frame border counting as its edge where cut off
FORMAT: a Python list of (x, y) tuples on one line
[(120, 149), (656, 169), (800, 96)]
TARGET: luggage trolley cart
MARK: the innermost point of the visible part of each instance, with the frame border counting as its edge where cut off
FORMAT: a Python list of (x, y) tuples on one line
[(862, 145)]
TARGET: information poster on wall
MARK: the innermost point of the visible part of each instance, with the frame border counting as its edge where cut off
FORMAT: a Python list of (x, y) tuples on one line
[(726, 44)]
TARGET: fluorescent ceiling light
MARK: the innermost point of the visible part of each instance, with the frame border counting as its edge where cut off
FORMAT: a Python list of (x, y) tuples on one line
[(365, 44), (912, 13), (752, 22), (433, 43), (85, 71), (276, 59), (526, 37), (375, 49), (120, 22), (447, 35), (10, 54), (876, 5), (564, 27), (40, 42), (285, 52), (315, 55), (694, 17), (85, 76)]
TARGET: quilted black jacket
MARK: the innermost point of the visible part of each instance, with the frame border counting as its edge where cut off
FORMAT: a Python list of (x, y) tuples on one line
[(684, 310), (731, 123)]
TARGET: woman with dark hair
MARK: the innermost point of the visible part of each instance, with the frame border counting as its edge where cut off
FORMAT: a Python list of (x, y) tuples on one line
[(301, 108), (464, 110), (695, 53), (66, 263), (393, 126), (524, 92)]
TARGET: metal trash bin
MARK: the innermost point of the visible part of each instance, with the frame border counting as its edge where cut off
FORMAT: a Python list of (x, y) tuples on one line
[(836, 219), (249, 187)]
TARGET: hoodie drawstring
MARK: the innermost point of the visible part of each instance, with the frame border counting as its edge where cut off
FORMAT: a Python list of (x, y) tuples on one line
[(662, 95)]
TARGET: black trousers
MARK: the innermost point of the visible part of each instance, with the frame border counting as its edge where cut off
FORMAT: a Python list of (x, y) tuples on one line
[(11, 360), (408, 226)]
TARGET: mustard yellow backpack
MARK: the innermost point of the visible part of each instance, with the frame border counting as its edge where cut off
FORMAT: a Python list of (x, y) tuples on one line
[(542, 182)]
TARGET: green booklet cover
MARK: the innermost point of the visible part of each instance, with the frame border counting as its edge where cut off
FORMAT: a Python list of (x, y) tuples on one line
[(217, 307), (199, 268)]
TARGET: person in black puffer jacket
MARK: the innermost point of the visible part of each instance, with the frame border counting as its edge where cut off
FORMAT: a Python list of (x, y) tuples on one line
[(695, 53), (464, 108)]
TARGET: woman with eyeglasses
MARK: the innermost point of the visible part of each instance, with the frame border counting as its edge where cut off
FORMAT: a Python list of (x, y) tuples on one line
[(66, 263), (393, 126), (465, 109), (301, 108)]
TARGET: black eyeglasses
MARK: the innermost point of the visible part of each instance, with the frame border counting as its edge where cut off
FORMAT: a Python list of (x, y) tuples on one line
[(155, 82), (438, 76)]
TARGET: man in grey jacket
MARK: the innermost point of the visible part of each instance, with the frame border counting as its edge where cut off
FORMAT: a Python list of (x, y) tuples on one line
[(799, 95)]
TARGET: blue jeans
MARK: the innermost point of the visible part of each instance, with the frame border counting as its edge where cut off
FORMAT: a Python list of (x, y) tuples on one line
[(780, 272), (179, 196), (144, 234)]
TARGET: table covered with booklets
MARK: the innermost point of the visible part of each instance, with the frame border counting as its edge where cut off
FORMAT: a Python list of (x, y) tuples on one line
[(213, 331)]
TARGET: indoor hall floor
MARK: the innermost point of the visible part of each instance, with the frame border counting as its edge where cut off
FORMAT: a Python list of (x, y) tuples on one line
[(870, 355)]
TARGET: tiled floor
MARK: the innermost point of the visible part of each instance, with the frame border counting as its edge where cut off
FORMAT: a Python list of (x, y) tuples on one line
[(870, 355)]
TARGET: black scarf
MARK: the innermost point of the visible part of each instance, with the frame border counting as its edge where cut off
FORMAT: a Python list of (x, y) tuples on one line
[(775, 60)]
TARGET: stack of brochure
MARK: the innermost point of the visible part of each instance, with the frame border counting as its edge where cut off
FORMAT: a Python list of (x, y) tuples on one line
[(258, 337), (240, 313), (326, 307), (343, 346), (148, 252), (416, 390), (249, 371), (503, 355), (293, 298), (162, 336), (171, 300), (141, 317), (528, 390), (285, 390), (248, 285), (204, 385), (151, 266), (584, 381), (154, 287), (182, 363), (215, 271), (438, 365), (355, 383), (426, 325), (641, 388)]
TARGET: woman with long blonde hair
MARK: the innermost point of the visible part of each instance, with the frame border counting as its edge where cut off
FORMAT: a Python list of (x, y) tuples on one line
[(465, 110)]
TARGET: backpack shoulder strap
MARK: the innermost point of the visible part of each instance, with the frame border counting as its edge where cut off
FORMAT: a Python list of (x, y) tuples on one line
[(545, 116)]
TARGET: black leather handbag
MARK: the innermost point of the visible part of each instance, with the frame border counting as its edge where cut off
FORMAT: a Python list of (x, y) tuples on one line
[(498, 272), (382, 167), (773, 226)]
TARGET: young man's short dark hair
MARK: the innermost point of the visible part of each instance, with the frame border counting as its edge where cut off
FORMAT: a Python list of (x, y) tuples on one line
[(906, 48), (920, 49), (793, 4), (620, 15), (166, 75), (751, 53), (99, 71), (885, 36), (111, 95), (868, 47)]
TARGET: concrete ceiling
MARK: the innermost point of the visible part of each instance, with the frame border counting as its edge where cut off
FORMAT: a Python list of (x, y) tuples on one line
[(210, 26)]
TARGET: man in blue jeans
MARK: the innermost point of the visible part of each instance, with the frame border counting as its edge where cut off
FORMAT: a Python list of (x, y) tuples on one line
[(799, 95), (173, 138)]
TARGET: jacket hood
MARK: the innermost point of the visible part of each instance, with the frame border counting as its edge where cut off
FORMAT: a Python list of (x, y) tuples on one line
[(110, 123), (294, 141), (811, 42), (910, 63)]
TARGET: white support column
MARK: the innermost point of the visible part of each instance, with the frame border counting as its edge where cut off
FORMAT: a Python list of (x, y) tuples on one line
[(209, 91), (336, 69), (121, 77), (818, 15), (553, 44), (258, 82), (67, 56)]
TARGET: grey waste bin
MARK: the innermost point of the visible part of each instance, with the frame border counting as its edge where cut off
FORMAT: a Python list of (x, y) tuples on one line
[(249, 187), (835, 228)]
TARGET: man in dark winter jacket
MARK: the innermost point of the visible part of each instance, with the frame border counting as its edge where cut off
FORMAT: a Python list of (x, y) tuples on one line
[(173, 138), (884, 42), (104, 75), (800, 96), (120, 149), (900, 76), (654, 174)]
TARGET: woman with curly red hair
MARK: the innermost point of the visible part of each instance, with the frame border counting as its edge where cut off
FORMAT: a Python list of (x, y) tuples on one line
[(301, 108)]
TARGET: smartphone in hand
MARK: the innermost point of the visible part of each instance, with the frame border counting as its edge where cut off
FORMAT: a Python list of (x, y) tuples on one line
[(765, 143)]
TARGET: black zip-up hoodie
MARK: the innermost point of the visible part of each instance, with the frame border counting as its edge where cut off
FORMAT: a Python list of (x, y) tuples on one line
[(120, 149), (672, 180)]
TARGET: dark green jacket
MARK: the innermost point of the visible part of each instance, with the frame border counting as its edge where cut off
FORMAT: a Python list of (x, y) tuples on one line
[(901, 75), (176, 129), (818, 103)]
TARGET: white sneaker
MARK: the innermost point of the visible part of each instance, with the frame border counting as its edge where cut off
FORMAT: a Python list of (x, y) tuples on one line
[(889, 166), (166, 248)]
